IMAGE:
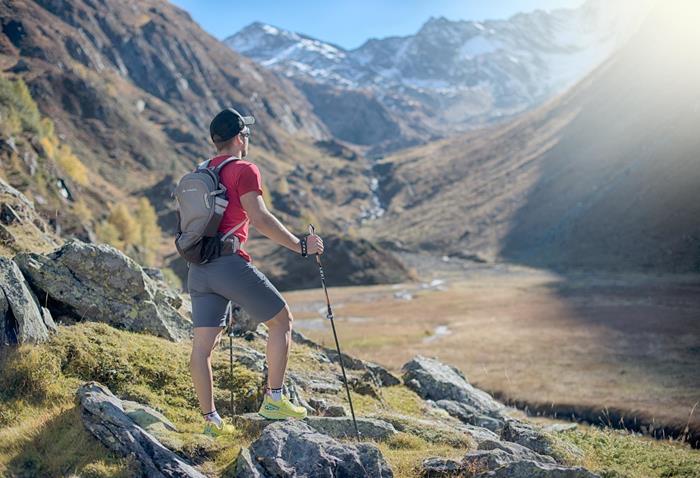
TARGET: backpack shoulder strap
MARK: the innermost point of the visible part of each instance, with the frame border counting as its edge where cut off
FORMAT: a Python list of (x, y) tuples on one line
[(230, 159), (204, 164)]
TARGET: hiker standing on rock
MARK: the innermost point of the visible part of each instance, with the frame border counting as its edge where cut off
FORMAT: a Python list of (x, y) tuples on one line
[(230, 276)]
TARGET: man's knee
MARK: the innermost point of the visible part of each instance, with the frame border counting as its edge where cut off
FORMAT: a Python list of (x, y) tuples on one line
[(202, 349), (200, 353), (282, 319)]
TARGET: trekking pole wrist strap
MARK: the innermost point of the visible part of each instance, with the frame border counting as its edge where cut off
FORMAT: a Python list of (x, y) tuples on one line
[(302, 243)]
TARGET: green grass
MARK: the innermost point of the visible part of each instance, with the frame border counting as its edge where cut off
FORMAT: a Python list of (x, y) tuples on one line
[(18, 107), (406, 452), (619, 454), (37, 400), (55, 443)]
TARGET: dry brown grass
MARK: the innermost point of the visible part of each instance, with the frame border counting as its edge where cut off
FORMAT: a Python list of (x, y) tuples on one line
[(631, 343)]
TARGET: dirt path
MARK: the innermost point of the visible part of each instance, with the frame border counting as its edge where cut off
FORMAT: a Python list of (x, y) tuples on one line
[(608, 348)]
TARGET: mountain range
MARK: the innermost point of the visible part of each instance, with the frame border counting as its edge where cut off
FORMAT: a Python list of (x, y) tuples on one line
[(450, 76), (604, 177), (132, 86)]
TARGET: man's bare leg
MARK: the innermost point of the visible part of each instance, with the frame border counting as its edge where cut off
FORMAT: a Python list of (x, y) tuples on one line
[(205, 339), (279, 341)]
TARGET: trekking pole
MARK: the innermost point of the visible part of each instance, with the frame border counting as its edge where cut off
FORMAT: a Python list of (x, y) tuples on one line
[(229, 308), (329, 316)]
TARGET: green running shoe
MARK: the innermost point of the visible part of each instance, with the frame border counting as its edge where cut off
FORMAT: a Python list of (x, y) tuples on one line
[(280, 410), (210, 429)]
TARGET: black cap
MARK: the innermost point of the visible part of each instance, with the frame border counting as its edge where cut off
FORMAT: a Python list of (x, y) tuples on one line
[(227, 124)]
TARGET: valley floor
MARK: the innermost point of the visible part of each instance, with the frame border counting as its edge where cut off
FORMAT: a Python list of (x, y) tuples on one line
[(620, 350)]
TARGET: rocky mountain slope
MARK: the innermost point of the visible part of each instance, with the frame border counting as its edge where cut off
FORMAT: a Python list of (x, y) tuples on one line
[(602, 177), (120, 402), (449, 76), (131, 87)]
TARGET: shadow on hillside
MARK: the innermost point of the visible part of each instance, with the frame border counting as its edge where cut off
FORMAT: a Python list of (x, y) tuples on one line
[(619, 189), (63, 447)]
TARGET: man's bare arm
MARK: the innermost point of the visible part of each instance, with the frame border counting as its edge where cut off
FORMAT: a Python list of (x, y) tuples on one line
[(265, 222)]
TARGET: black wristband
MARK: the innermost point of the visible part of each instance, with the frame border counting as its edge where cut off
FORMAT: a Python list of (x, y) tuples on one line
[(302, 241)]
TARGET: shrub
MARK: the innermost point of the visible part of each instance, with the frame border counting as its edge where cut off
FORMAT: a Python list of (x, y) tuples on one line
[(30, 373), (16, 99), (9, 123), (82, 210), (73, 167), (124, 222), (150, 233), (109, 234), (49, 145)]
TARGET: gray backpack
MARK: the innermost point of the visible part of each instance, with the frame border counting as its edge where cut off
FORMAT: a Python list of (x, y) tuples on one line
[(201, 202)]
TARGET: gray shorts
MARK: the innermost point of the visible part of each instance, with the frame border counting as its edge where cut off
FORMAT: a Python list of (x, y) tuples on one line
[(230, 277)]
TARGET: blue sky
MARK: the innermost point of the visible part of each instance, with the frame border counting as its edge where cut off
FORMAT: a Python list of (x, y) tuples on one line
[(350, 23)]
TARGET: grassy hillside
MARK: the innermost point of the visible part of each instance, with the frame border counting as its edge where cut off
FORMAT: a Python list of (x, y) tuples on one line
[(41, 433), (132, 132), (60, 187)]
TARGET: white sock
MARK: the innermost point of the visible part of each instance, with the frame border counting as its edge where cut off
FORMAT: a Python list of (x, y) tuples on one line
[(214, 418), (276, 394)]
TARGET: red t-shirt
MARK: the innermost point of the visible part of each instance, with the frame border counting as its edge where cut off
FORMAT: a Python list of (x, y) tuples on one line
[(239, 177)]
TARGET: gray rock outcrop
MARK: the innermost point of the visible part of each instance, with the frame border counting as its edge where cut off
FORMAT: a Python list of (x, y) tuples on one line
[(17, 209), (21, 319), (336, 427), (99, 283), (293, 448), (514, 450), (105, 417), (436, 381), (468, 414), (441, 467), (499, 464), (449, 389), (528, 436)]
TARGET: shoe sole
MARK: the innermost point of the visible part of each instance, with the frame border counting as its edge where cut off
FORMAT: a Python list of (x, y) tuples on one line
[(280, 416), (213, 434)]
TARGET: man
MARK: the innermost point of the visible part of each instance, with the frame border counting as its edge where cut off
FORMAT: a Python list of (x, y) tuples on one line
[(233, 277)]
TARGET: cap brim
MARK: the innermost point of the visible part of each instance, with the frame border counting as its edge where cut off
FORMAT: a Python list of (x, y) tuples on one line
[(248, 120)]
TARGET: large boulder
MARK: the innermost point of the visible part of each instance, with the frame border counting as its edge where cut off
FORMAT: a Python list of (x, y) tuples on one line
[(336, 427), (17, 209), (468, 414), (538, 440), (21, 319), (498, 464), (99, 283), (449, 389), (105, 417), (441, 468), (293, 448), (436, 381), (515, 450)]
